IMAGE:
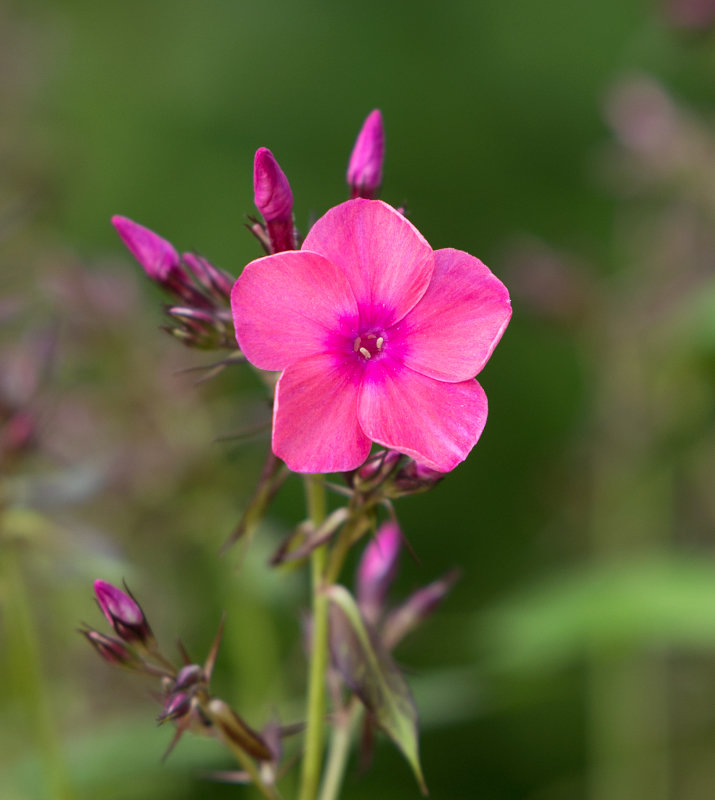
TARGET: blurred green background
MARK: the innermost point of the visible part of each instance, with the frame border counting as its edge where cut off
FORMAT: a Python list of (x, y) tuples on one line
[(570, 146)]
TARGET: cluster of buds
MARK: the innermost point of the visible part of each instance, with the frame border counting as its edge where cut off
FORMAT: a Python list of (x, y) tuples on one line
[(185, 695), (388, 475), (200, 292)]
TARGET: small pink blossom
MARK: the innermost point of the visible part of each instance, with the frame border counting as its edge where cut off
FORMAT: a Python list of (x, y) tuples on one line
[(377, 569), (378, 339)]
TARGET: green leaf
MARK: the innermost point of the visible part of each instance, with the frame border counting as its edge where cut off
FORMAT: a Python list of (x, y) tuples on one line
[(373, 676)]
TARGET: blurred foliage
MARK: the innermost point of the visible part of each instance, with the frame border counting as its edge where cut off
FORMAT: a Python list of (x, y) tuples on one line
[(575, 657)]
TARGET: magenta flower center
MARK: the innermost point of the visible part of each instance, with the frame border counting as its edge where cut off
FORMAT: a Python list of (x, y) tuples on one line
[(369, 345)]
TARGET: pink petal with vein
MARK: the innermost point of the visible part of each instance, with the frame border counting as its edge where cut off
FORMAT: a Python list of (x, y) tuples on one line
[(435, 423), (452, 331), (291, 305), (315, 425), (386, 259)]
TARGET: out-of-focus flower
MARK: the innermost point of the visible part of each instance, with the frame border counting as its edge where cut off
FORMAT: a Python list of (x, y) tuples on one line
[(377, 569), (123, 613), (379, 339), (691, 14), (274, 199), (365, 167)]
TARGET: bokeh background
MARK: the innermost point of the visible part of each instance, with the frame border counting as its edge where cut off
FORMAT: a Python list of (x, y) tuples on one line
[(570, 146)]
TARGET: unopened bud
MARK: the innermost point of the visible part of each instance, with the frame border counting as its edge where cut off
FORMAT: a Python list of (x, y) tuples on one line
[(188, 676), (158, 257), (274, 199), (377, 570), (365, 166), (217, 282), (177, 705), (374, 471), (123, 613), (416, 609), (413, 478), (112, 650)]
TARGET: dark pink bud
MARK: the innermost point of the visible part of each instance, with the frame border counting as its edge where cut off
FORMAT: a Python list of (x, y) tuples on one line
[(271, 190), (112, 650), (188, 676), (123, 613), (211, 278), (377, 570), (375, 470), (177, 705), (365, 166), (413, 478), (274, 199), (154, 254), (416, 609)]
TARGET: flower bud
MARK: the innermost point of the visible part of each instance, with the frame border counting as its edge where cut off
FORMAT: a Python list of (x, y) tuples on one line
[(365, 167), (158, 257), (189, 675), (112, 650), (416, 609), (377, 570), (177, 705), (274, 199), (375, 471), (217, 282), (123, 613), (414, 478)]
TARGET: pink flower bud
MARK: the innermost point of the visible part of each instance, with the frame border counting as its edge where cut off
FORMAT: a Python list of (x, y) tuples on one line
[(217, 282), (112, 650), (377, 570), (157, 256), (274, 199), (414, 478), (365, 166), (123, 613), (177, 705)]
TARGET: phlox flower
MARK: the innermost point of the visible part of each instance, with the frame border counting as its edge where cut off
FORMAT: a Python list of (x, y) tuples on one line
[(377, 337)]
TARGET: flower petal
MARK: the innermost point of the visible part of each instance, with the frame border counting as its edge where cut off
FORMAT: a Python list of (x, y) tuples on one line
[(386, 259), (315, 425), (452, 331), (291, 305), (435, 423)]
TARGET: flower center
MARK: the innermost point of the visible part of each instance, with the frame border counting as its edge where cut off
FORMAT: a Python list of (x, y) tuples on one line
[(369, 345)]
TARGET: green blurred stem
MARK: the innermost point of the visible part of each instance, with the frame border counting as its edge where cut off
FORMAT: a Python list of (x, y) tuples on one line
[(342, 735), (315, 713), (24, 661)]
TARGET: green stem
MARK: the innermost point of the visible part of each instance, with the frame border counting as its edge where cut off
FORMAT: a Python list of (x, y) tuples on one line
[(315, 713), (341, 738)]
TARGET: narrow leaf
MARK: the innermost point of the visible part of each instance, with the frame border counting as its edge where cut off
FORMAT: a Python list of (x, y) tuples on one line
[(373, 676)]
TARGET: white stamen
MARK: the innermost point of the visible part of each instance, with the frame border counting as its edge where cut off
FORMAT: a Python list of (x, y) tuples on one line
[(356, 344), (365, 352), (379, 343)]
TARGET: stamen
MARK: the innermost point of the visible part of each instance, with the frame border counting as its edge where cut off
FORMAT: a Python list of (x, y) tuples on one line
[(372, 336), (365, 352), (356, 344), (380, 342)]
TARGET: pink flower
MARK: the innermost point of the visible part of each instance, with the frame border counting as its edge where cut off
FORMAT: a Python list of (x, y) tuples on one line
[(378, 338)]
